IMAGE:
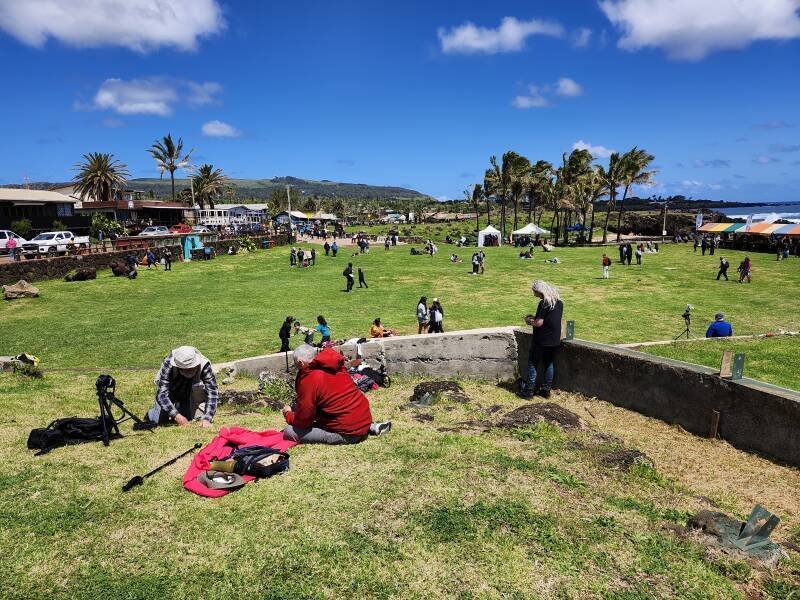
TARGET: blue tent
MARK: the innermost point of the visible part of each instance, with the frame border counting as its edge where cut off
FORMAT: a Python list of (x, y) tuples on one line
[(578, 227)]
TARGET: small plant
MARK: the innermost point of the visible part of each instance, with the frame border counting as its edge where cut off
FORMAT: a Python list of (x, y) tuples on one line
[(58, 225), (276, 387), (247, 245), (23, 228), (27, 370)]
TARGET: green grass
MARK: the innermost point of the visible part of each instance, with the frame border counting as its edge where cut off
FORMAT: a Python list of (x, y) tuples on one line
[(233, 306), (417, 513), (768, 359)]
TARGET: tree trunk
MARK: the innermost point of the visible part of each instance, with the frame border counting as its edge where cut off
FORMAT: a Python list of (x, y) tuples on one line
[(605, 226), (539, 218), (172, 178), (530, 208), (591, 227), (488, 212), (556, 226), (515, 215), (621, 210)]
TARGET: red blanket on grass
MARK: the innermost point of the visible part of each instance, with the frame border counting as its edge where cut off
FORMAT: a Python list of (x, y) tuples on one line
[(227, 441)]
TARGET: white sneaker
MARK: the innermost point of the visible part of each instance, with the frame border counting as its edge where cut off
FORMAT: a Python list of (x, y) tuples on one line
[(380, 428)]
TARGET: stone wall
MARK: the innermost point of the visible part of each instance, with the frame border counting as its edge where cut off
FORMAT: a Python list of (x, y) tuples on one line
[(38, 269), (754, 416)]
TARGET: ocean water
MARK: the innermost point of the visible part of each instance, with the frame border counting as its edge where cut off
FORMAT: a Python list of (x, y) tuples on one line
[(767, 212)]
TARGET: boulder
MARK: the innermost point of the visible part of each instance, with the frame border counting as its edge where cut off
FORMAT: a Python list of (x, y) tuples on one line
[(82, 274), (21, 289), (120, 268)]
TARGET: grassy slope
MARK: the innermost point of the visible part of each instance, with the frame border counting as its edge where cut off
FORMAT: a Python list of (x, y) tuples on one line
[(772, 360), (417, 513), (233, 306)]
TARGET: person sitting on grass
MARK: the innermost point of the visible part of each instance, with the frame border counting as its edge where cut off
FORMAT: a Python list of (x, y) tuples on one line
[(379, 331), (720, 327), (186, 389), (455, 258), (330, 409)]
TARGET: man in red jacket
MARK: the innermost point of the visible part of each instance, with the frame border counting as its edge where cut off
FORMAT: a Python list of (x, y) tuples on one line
[(330, 409)]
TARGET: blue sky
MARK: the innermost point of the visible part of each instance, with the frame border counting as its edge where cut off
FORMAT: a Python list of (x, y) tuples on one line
[(418, 94)]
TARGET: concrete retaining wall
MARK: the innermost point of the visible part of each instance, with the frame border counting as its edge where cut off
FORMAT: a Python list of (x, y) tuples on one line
[(754, 416)]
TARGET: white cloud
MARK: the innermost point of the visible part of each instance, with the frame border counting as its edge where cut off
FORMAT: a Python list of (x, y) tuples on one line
[(595, 151), (714, 163), (693, 185), (580, 39), (139, 25), (219, 129), (534, 99), (763, 159), (691, 29), (151, 96), (509, 36), (568, 88)]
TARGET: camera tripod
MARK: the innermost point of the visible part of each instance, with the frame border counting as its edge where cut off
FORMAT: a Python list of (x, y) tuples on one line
[(687, 319), (106, 387)]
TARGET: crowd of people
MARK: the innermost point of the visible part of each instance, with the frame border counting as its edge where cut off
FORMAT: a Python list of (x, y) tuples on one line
[(303, 258), (430, 319)]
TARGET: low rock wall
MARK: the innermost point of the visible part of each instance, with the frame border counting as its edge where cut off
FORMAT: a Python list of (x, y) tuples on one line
[(754, 416)]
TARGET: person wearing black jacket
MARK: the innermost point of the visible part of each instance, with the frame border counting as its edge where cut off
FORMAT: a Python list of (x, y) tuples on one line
[(348, 275), (285, 333), (546, 325)]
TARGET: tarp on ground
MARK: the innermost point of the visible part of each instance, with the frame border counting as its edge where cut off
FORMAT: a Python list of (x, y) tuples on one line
[(489, 231)]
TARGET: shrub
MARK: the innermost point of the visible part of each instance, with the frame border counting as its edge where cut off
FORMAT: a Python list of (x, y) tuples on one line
[(100, 222), (23, 228), (58, 225)]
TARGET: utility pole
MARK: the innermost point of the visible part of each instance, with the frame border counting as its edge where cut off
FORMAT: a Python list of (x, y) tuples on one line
[(664, 227)]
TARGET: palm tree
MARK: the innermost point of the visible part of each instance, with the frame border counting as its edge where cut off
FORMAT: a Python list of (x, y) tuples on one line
[(634, 162), (536, 182), (596, 189), (168, 156), (474, 198), (612, 177), (99, 177), (337, 207), (500, 177), (208, 185)]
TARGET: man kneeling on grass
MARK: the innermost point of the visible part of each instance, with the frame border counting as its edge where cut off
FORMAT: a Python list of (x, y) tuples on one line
[(186, 389), (330, 409)]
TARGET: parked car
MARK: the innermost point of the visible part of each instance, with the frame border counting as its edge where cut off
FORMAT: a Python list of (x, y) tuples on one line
[(180, 228), (201, 229), (155, 230), (51, 243), (7, 234)]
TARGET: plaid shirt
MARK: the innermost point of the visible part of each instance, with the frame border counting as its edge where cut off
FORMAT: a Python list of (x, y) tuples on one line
[(168, 374)]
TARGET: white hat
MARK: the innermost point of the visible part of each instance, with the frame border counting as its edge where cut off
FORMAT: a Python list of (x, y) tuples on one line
[(435, 299), (186, 357)]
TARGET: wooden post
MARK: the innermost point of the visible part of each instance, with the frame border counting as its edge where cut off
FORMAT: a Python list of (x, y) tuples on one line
[(712, 433), (726, 368)]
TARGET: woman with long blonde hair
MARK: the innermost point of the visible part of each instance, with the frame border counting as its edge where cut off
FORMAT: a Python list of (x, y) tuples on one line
[(546, 325)]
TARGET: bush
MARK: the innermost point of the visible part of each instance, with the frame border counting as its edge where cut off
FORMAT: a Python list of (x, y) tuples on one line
[(58, 225), (22, 228), (100, 222)]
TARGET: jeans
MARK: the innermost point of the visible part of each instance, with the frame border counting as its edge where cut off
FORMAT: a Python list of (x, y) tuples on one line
[(317, 435), (349, 284), (605, 272), (540, 356)]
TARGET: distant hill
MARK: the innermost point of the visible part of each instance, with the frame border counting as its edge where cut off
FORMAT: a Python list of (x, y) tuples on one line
[(263, 188)]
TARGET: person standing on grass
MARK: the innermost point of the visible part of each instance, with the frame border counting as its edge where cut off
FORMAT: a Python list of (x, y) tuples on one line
[(348, 275), (606, 265), (324, 330), (313, 256), (327, 247), (292, 257), (436, 317), (167, 254), (334, 246), (475, 263), (546, 340), (723, 268), (386, 243), (704, 245), (639, 254), (422, 314), (744, 270), (285, 333), (712, 245), (696, 243), (481, 261), (361, 280), (628, 253)]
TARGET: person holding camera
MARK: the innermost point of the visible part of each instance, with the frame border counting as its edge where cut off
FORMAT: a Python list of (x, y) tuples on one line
[(186, 389), (546, 340), (720, 327)]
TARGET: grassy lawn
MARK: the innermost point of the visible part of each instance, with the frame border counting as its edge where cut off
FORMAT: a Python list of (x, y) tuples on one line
[(418, 513), (767, 359), (233, 306)]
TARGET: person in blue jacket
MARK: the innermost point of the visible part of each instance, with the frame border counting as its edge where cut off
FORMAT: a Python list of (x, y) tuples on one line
[(720, 327)]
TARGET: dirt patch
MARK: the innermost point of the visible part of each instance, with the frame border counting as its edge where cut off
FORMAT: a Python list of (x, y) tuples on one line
[(423, 417), (436, 390), (468, 427), (248, 399), (532, 414), (625, 459)]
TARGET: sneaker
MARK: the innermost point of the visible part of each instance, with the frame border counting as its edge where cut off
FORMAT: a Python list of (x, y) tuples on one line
[(525, 395), (380, 428), (543, 393)]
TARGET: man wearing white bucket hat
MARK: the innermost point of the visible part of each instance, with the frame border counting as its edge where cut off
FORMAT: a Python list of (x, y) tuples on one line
[(186, 389)]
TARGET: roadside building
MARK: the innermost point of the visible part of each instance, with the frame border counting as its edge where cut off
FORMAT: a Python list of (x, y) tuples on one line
[(41, 208)]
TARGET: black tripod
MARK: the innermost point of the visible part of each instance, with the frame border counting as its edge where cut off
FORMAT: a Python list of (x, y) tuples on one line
[(687, 319), (106, 386)]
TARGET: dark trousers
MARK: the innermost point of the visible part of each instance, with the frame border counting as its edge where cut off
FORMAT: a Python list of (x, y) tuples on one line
[(349, 284), (540, 368), (364, 281), (722, 273), (284, 345), (168, 264)]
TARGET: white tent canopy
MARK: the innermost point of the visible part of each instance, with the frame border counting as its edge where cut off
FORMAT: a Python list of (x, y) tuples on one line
[(489, 231), (530, 229)]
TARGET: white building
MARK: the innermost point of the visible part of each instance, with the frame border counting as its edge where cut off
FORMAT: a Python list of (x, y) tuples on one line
[(225, 215)]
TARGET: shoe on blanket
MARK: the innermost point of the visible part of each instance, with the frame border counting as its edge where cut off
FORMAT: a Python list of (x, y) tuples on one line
[(380, 428)]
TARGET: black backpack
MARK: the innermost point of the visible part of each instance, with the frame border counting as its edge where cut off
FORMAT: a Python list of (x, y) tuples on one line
[(62, 432), (248, 461)]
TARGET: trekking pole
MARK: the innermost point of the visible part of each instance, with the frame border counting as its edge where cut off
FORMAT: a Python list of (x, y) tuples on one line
[(139, 479)]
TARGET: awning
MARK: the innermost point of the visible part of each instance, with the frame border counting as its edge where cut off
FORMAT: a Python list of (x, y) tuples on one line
[(791, 229), (733, 227)]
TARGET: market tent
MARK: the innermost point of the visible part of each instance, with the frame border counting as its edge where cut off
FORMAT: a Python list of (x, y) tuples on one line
[(733, 227), (759, 227), (530, 229), (790, 229), (489, 231), (772, 228)]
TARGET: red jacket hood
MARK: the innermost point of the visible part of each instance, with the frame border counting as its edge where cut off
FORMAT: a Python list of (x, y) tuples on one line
[(327, 360)]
